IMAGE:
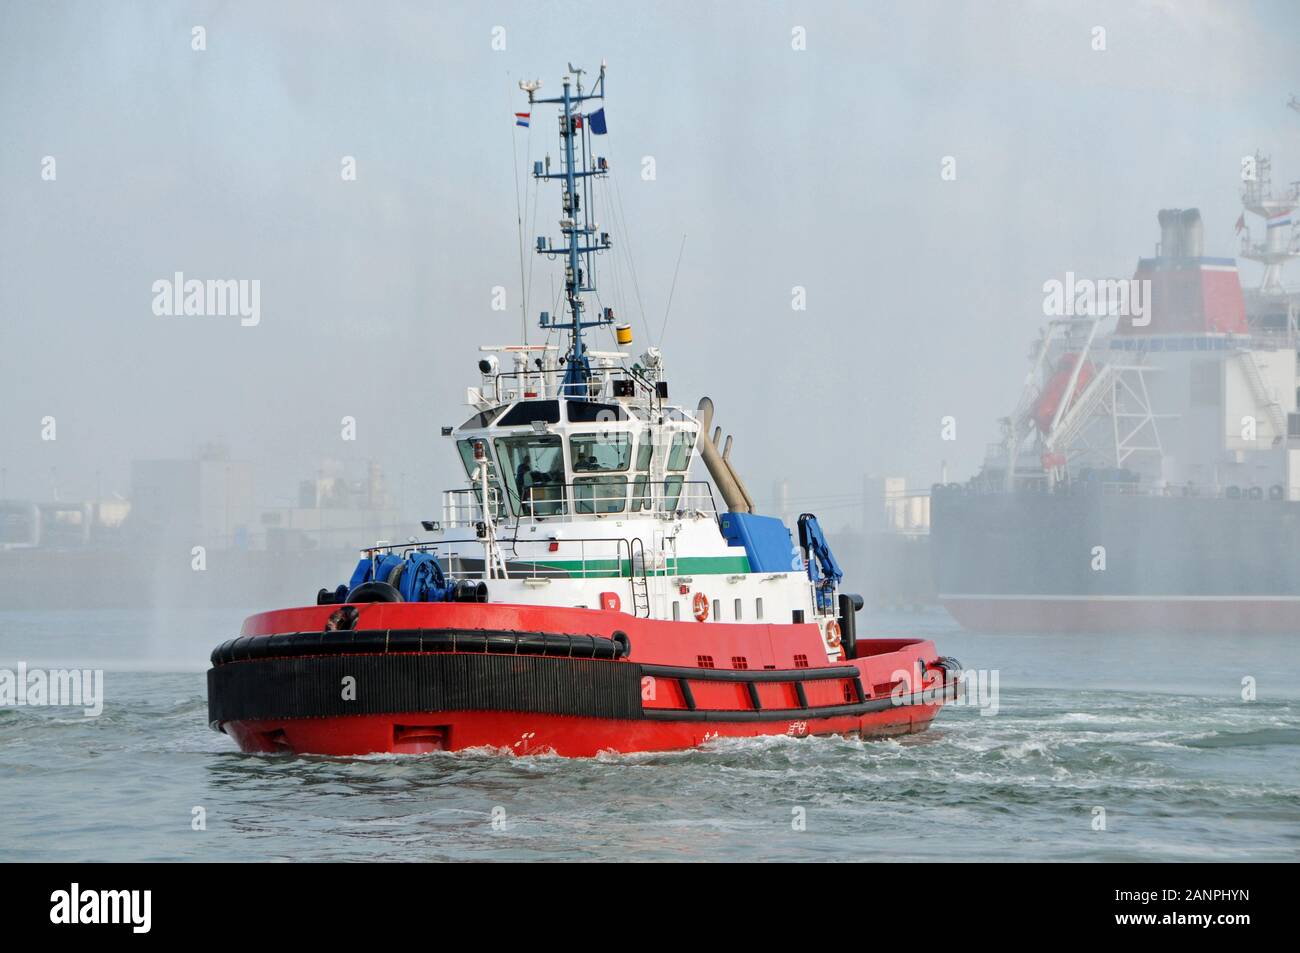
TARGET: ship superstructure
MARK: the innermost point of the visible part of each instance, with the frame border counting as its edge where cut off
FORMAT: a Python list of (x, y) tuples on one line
[(579, 467), (1191, 393), (1150, 472)]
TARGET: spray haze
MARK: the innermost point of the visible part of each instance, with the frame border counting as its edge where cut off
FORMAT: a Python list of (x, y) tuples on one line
[(820, 168)]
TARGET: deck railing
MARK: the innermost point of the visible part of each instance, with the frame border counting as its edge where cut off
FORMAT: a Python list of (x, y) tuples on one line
[(564, 558), (585, 497), (506, 386)]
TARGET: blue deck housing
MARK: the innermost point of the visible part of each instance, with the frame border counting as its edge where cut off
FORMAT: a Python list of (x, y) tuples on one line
[(766, 540)]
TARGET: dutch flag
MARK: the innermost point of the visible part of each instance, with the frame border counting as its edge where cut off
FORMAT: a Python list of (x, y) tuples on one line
[(521, 119), (1280, 219)]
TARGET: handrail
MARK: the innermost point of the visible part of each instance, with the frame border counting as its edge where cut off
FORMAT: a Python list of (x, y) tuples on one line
[(582, 494), (600, 551), (461, 506), (546, 382)]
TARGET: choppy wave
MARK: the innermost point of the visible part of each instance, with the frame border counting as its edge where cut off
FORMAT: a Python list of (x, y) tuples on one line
[(1179, 775), (1183, 778)]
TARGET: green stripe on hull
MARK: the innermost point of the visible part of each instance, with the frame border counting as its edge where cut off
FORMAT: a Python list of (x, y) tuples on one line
[(614, 568), (713, 565)]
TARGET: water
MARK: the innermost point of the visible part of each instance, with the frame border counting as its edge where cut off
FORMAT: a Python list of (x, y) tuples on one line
[(1151, 729)]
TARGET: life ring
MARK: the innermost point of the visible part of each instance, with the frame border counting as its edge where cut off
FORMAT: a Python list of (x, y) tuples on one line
[(833, 634), (700, 605)]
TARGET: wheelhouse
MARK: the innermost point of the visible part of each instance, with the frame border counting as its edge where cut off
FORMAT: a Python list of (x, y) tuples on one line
[(557, 457)]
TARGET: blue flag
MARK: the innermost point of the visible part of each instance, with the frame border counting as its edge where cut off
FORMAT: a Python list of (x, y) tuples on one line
[(596, 122)]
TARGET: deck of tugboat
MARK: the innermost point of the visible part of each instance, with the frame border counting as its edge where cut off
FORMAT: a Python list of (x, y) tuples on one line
[(649, 566)]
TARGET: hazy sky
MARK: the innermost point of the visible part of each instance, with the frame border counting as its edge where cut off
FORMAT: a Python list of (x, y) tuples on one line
[(817, 168)]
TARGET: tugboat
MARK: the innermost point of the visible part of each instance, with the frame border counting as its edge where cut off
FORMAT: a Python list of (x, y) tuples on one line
[(581, 593)]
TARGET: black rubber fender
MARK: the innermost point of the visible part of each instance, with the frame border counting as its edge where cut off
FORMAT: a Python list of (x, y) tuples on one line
[(374, 591), (346, 640)]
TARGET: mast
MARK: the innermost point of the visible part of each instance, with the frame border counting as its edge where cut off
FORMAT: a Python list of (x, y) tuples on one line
[(579, 241), (1277, 209)]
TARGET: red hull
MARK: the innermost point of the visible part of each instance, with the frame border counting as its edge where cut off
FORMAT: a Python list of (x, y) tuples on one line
[(524, 734), (679, 685), (1080, 614)]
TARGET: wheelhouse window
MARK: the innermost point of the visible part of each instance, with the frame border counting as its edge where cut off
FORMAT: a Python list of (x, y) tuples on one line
[(679, 456), (645, 452), (672, 490), (591, 412), (640, 493), (533, 468), (607, 494), (466, 448), (641, 484), (479, 421), (609, 452), (600, 452), (523, 414)]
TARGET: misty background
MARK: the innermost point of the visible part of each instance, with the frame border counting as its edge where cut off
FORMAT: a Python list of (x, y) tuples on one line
[(817, 168)]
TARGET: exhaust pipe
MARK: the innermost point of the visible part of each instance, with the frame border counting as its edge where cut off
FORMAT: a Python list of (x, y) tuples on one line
[(729, 485), (726, 461)]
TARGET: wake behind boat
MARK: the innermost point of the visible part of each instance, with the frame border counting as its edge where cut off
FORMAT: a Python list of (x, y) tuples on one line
[(582, 593)]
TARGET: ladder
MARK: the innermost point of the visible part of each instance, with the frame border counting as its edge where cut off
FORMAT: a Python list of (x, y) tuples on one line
[(1263, 393), (640, 587)]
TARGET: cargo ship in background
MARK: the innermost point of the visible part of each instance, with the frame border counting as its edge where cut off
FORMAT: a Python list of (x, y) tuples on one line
[(1149, 477)]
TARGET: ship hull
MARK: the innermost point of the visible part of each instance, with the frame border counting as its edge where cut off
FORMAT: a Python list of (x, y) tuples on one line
[(513, 733), (417, 678), (1081, 614), (1090, 561)]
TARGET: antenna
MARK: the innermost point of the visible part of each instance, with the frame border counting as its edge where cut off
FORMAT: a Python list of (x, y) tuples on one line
[(580, 241), (672, 288)]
